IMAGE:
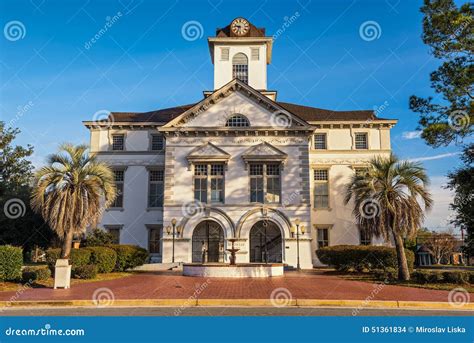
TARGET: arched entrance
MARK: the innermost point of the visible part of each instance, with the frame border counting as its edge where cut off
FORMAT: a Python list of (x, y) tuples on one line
[(208, 242), (266, 243)]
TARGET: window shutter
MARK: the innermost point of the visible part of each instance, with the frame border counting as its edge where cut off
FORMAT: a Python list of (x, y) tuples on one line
[(255, 54), (224, 54)]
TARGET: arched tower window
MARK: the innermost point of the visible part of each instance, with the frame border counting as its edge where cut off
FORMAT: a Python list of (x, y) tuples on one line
[(237, 120), (240, 67)]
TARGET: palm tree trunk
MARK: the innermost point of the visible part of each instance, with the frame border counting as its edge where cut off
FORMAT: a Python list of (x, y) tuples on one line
[(403, 272), (67, 243)]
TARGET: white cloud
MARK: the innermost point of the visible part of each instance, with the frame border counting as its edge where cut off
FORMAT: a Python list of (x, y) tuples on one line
[(439, 216), (435, 157), (411, 134)]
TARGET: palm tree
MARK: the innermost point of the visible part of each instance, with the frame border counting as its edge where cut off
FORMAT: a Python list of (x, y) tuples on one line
[(71, 192), (389, 200)]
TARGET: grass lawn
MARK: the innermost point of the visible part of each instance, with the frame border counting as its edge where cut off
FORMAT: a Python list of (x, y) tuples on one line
[(13, 286), (437, 286)]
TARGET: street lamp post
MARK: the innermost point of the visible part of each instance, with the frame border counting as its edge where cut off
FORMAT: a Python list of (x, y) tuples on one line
[(175, 231), (297, 223)]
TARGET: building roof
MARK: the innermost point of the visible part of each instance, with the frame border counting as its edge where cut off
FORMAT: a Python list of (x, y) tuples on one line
[(304, 112)]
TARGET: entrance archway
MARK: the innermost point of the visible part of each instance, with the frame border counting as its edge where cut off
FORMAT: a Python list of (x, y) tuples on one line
[(266, 243), (208, 242)]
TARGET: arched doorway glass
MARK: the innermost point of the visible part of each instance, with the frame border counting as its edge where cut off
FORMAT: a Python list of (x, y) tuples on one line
[(208, 242), (266, 243)]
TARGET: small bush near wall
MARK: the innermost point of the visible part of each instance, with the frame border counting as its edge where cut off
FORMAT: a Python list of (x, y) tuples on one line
[(78, 257), (11, 260), (128, 256), (32, 274), (104, 258), (362, 258), (89, 271)]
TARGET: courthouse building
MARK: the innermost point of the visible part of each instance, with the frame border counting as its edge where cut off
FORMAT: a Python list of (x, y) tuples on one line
[(238, 164)]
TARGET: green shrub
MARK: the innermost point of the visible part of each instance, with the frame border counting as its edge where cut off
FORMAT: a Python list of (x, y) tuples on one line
[(456, 276), (11, 260), (427, 276), (128, 256), (78, 257), (388, 274), (32, 274), (104, 258), (88, 271), (362, 257), (98, 238)]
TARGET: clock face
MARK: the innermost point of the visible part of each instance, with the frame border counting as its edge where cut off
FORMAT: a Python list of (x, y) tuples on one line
[(240, 26)]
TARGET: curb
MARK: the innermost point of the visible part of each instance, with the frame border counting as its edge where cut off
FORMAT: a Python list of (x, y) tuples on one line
[(360, 304)]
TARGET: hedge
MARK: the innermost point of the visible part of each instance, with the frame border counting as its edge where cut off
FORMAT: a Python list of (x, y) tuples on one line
[(11, 260), (362, 257), (78, 257), (32, 274), (439, 276), (104, 258), (128, 256), (89, 271)]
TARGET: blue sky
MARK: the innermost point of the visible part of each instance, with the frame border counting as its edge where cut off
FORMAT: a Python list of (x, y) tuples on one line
[(53, 77)]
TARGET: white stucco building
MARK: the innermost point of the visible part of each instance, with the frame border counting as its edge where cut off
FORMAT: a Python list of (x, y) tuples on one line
[(237, 164)]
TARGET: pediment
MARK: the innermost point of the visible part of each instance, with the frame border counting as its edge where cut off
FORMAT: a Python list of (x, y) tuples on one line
[(264, 152), (236, 97), (207, 153)]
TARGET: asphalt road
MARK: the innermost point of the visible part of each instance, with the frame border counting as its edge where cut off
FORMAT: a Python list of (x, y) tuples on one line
[(221, 311)]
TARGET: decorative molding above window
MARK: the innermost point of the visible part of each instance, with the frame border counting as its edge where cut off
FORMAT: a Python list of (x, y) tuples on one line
[(207, 153), (264, 152)]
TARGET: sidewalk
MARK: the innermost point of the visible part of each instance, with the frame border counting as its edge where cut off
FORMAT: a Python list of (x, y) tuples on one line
[(175, 290)]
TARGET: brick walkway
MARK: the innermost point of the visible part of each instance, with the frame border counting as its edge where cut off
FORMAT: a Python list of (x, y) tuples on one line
[(175, 286)]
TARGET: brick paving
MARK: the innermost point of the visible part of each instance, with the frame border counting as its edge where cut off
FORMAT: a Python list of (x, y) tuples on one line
[(175, 286)]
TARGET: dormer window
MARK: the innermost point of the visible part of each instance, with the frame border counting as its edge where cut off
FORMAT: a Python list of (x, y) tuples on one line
[(240, 67), (237, 121)]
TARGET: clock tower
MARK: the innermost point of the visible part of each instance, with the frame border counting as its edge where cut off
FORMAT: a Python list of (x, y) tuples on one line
[(241, 50)]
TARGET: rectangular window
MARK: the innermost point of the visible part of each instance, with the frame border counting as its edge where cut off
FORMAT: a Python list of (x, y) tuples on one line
[(155, 188), (265, 183), (323, 238), (157, 143), (154, 243), (321, 188), (224, 54), (241, 72), (320, 141), (209, 183), (114, 230), (118, 142), (217, 183), (361, 141), (365, 238), (255, 54), (119, 178)]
